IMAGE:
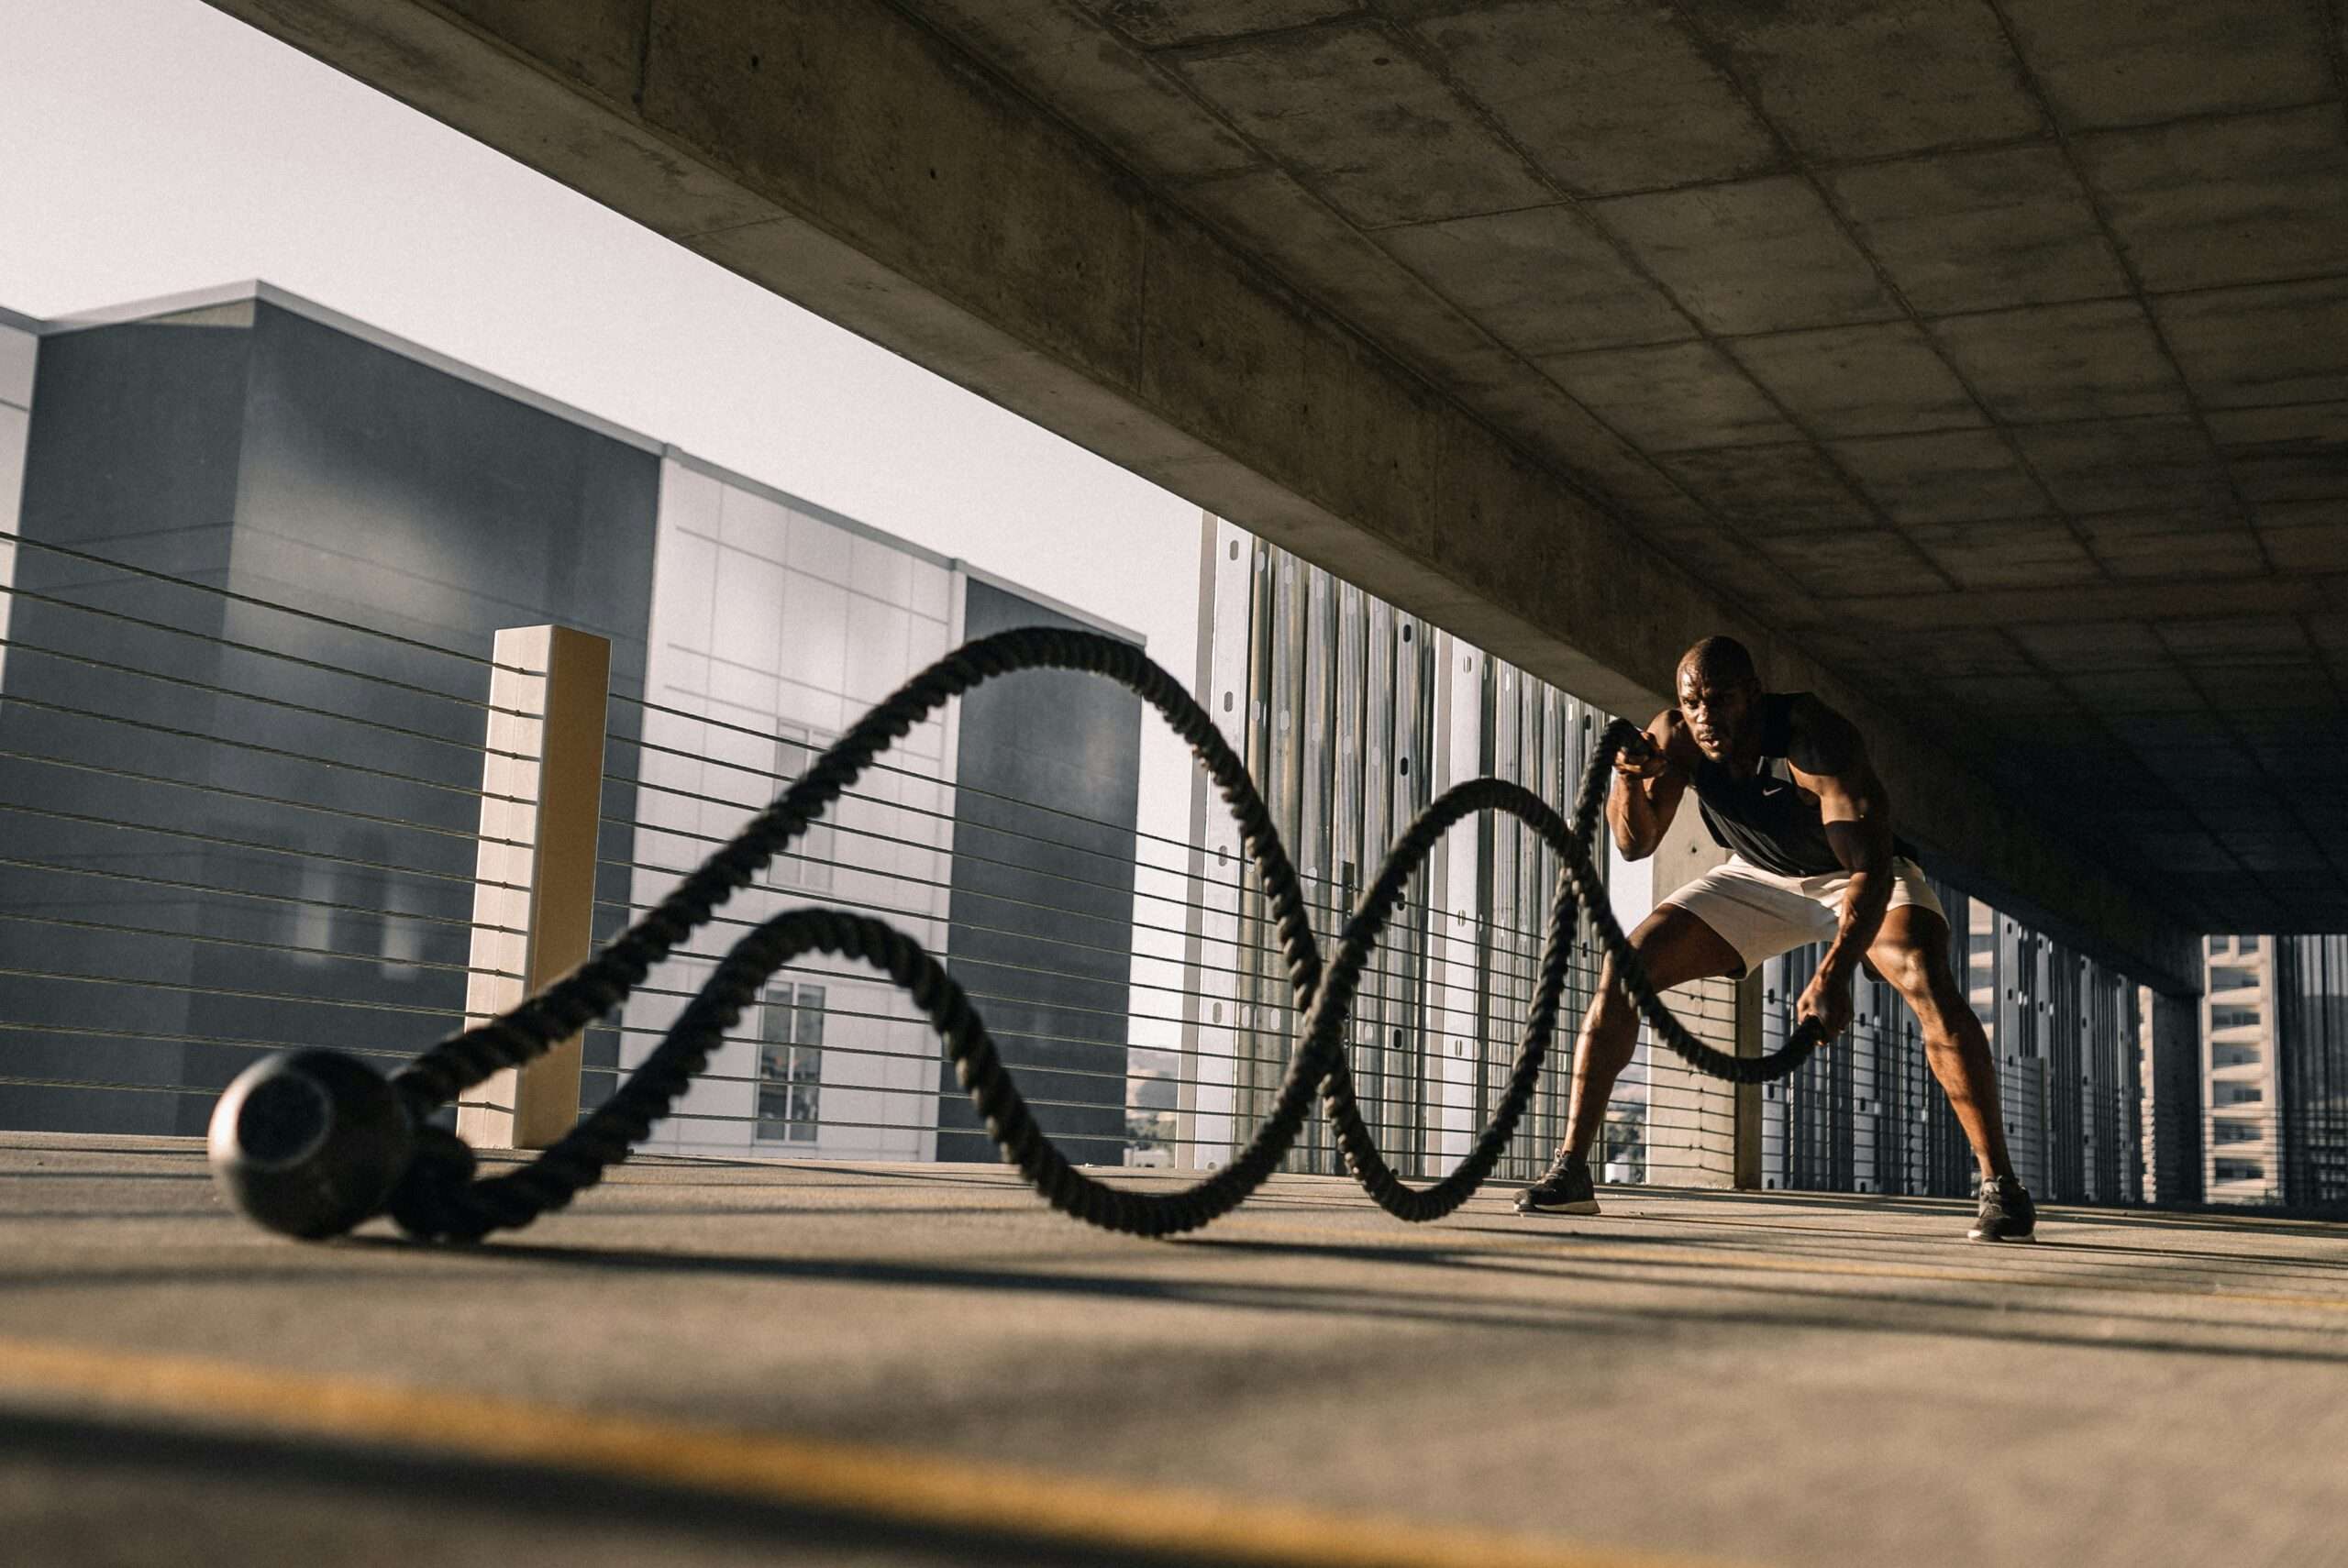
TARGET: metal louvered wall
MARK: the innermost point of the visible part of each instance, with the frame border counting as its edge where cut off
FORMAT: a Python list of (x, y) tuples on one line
[(1353, 715), (1868, 1117)]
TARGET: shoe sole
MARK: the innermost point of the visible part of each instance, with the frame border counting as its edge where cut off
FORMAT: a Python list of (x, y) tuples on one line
[(1587, 1205), (1985, 1236)]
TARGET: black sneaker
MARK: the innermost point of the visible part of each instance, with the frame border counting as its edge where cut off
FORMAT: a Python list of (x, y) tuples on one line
[(2007, 1213), (1564, 1190)]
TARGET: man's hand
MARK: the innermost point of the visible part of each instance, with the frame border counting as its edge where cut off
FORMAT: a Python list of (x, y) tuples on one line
[(1827, 999), (1640, 757)]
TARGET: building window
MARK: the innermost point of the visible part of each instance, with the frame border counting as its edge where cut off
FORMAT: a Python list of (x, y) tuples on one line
[(2224, 978), (808, 862), (2233, 1018), (2241, 1170), (790, 1058), (2239, 1094)]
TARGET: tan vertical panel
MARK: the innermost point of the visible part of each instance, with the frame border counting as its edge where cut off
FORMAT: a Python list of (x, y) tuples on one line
[(542, 792), (1745, 1170), (1698, 1127)]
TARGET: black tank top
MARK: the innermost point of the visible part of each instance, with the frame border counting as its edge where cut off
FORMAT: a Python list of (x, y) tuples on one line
[(1768, 817)]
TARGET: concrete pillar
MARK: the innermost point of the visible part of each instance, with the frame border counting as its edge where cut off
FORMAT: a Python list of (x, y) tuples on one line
[(1702, 1131), (534, 894), (2172, 1076)]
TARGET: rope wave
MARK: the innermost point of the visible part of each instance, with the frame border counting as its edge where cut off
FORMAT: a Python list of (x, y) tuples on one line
[(440, 1196)]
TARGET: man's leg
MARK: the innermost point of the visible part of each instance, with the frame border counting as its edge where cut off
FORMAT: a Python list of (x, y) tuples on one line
[(1910, 951), (1675, 946)]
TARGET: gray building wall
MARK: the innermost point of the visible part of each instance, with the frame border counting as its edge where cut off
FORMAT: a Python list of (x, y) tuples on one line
[(1047, 787), (250, 448)]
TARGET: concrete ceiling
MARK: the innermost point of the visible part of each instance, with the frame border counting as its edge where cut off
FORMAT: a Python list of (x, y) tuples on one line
[(1998, 351)]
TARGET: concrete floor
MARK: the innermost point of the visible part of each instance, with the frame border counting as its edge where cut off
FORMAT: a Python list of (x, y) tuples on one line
[(1746, 1378)]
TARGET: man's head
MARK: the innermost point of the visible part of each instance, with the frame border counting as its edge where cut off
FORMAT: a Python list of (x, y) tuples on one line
[(1718, 695)]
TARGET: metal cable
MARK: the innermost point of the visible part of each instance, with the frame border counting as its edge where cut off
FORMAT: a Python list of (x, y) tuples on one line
[(1507, 964), (259, 748), (1245, 893), (255, 797), (223, 841), (437, 1196), (645, 703), (209, 889), (211, 689), (111, 928), (1133, 890), (233, 597), (412, 688)]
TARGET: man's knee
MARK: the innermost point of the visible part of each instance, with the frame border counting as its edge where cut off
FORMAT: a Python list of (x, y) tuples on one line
[(1908, 971), (1927, 987), (1612, 1007)]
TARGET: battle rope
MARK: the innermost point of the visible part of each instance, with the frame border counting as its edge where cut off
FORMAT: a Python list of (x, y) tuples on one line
[(313, 1142)]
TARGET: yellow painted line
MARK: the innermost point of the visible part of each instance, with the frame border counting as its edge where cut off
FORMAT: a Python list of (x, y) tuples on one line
[(900, 1486), (1569, 1249)]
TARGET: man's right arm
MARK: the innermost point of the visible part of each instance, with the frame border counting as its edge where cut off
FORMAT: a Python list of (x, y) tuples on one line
[(1647, 789)]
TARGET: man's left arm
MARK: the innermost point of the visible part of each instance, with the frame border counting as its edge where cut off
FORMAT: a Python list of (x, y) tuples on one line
[(1831, 761)]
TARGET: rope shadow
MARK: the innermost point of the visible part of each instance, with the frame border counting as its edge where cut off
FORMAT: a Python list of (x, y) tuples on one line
[(1351, 1301), (1869, 1289), (1777, 1237)]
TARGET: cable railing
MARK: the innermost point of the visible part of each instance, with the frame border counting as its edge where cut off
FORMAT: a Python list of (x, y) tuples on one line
[(1229, 879), (268, 808), (219, 849)]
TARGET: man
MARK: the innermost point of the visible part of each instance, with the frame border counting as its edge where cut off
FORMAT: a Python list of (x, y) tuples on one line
[(1784, 783)]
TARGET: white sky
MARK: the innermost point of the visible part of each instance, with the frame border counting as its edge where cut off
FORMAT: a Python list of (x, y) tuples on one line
[(150, 147)]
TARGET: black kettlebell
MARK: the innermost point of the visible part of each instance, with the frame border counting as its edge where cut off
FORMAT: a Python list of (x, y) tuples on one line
[(310, 1142)]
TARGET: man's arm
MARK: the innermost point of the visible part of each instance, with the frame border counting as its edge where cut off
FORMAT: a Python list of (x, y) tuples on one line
[(1648, 787), (1831, 761)]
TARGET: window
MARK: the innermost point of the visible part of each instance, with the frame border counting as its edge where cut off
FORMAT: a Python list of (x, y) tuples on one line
[(808, 862), (2233, 1018), (2225, 977), (790, 1056), (2239, 1094), (2241, 1170), (2234, 1132)]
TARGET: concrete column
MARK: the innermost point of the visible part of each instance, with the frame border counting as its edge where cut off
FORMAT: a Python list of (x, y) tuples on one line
[(534, 894), (2171, 1069), (1701, 1131)]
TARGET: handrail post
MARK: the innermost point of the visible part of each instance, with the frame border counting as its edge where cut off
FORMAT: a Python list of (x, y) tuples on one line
[(535, 869)]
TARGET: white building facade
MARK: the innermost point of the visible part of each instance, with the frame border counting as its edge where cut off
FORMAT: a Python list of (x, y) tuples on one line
[(2240, 1091), (18, 344)]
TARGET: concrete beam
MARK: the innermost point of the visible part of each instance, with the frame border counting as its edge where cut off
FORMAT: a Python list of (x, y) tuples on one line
[(844, 156)]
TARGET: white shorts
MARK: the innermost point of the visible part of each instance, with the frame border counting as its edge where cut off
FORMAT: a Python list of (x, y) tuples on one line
[(1762, 914)]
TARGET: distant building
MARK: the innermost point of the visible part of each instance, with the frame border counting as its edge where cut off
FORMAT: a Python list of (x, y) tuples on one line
[(2275, 1028), (2241, 1093), (233, 828)]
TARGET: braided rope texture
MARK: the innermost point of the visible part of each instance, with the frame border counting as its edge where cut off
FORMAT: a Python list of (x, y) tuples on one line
[(441, 1198)]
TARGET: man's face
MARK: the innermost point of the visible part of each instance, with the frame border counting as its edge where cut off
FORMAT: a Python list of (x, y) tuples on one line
[(1716, 710)]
